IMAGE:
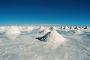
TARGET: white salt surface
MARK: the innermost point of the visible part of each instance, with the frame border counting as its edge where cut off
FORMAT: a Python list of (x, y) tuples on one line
[(26, 47)]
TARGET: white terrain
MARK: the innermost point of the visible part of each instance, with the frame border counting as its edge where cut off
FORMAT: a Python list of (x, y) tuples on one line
[(44, 42)]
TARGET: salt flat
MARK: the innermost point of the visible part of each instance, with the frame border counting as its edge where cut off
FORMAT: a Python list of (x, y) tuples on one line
[(17, 43)]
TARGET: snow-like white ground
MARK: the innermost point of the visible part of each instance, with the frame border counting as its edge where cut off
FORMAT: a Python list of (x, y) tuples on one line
[(72, 44)]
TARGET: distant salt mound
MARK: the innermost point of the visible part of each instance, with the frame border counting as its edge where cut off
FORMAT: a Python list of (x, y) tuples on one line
[(45, 30), (55, 28), (12, 32), (41, 28), (26, 28), (76, 28), (66, 27), (2, 29), (23, 28), (71, 28), (53, 38), (30, 28), (85, 27)]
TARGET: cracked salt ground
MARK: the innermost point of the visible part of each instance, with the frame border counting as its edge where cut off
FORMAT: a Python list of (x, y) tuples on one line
[(26, 47)]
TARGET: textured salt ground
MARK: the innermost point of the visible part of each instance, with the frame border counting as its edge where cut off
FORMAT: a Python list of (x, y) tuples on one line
[(26, 47)]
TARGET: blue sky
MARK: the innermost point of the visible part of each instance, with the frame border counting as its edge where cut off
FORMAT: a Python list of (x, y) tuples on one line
[(70, 12)]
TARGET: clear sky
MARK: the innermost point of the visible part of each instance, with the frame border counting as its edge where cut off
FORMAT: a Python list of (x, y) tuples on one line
[(71, 12)]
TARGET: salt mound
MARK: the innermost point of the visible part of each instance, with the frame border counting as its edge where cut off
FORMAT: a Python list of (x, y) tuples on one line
[(85, 27), (2, 29), (23, 28), (12, 32), (41, 28), (66, 27), (77, 28), (71, 28), (45, 30), (53, 38), (30, 28)]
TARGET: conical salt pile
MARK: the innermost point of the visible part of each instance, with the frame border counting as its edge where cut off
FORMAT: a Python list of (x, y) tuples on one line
[(12, 32), (53, 38), (85, 27), (41, 28), (45, 30), (77, 28)]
